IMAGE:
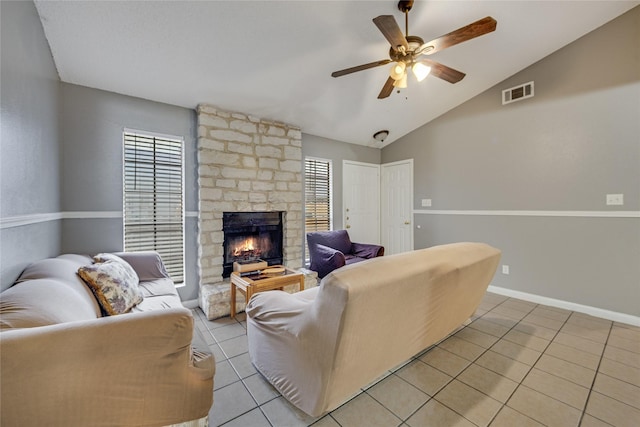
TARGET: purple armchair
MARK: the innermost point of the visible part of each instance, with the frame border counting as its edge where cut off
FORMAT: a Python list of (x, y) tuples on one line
[(330, 250)]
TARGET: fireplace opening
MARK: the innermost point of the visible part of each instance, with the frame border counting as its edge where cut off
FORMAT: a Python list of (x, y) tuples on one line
[(249, 236)]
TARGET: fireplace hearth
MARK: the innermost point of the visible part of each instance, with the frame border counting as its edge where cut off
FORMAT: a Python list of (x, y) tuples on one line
[(249, 236)]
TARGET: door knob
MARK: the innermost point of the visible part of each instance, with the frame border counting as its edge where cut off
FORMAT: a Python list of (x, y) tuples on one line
[(348, 226)]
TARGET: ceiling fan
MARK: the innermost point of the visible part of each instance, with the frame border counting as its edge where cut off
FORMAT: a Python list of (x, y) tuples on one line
[(406, 50)]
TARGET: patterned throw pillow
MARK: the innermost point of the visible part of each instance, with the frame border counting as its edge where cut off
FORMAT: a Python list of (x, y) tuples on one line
[(114, 287), (104, 257)]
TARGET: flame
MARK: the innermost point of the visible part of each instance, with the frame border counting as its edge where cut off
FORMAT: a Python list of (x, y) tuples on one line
[(248, 246)]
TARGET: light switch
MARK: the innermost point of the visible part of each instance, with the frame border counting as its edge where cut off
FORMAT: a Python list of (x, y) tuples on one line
[(615, 199), (426, 202)]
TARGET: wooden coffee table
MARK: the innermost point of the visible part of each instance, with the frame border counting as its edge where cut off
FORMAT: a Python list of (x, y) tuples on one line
[(249, 285)]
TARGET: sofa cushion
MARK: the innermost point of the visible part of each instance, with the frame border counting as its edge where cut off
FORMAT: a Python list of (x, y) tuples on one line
[(41, 302), (113, 285), (148, 264), (64, 268)]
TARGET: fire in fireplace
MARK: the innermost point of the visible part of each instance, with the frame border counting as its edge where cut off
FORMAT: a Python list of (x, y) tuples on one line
[(252, 235)]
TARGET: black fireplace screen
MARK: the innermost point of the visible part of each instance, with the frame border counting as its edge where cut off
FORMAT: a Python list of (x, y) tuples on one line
[(251, 235)]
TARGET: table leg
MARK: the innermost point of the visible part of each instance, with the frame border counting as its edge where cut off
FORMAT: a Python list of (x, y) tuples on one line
[(232, 303)]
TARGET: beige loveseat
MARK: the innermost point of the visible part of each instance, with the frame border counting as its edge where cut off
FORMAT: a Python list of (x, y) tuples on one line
[(62, 363), (321, 346)]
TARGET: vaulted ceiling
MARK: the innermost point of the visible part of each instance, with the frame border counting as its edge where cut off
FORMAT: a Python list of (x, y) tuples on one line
[(274, 59)]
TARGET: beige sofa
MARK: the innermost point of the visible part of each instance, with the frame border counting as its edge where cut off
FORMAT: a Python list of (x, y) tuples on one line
[(321, 346), (62, 363)]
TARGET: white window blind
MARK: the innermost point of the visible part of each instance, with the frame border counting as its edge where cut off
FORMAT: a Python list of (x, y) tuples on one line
[(153, 198), (317, 195)]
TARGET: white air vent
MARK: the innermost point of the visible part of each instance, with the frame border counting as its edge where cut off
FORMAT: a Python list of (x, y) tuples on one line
[(517, 93)]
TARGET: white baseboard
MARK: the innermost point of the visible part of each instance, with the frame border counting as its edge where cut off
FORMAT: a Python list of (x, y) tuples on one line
[(586, 309)]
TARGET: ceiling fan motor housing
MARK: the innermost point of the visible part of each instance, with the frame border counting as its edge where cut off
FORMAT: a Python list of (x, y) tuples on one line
[(414, 43)]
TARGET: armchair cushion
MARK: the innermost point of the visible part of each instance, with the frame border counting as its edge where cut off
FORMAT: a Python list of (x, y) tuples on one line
[(367, 251), (321, 243)]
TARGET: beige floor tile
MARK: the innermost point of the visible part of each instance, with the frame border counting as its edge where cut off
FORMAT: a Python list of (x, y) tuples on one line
[(477, 337), (364, 411), (508, 417), (435, 414), (488, 382), (612, 411), (518, 304), (536, 330), (544, 321), (632, 345), (503, 365), (253, 418), (560, 389), (619, 390), (225, 375), (526, 340), (567, 370), (516, 352), (424, 377), (596, 333), (230, 402), (242, 365), (623, 356), (326, 421), (495, 299), (588, 321), (475, 406), (510, 312), (590, 421), (573, 355), (280, 412), (445, 361), (620, 371), (543, 408), (491, 328), (557, 314), (628, 332), (580, 343), (261, 390), (398, 396), (462, 348), (500, 319)]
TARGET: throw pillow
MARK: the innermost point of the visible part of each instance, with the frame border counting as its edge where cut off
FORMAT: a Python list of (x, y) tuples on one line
[(114, 287), (104, 257)]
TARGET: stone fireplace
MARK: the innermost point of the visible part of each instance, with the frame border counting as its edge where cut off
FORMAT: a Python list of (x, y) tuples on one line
[(245, 164)]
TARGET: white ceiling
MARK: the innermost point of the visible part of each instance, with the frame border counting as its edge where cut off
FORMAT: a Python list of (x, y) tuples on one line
[(273, 59)]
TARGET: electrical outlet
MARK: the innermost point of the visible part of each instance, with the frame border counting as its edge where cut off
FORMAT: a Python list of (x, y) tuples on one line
[(426, 203), (505, 269), (615, 199)]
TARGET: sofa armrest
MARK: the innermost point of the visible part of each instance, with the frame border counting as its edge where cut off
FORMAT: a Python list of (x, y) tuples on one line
[(147, 264), (365, 250), (130, 369), (326, 259)]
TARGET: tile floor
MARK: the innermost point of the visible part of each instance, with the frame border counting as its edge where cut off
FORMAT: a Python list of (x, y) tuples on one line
[(515, 363)]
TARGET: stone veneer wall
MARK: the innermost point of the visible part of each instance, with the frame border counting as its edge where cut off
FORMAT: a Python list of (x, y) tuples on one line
[(245, 164)]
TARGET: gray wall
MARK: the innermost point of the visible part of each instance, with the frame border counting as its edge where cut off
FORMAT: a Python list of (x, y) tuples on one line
[(29, 167), (563, 150), (91, 123), (323, 148)]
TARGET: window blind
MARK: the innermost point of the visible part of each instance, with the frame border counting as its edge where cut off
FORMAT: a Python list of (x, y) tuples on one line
[(317, 195), (153, 198)]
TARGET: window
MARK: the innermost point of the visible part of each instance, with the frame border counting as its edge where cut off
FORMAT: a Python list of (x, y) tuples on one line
[(317, 196), (153, 198)]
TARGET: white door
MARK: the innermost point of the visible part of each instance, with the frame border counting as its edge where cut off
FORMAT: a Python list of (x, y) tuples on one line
[(361, 201), (397, 207)]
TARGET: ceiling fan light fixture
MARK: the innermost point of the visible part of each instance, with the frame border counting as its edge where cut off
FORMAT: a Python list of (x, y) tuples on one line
[(398, 70), (421, 71), (401, 83)]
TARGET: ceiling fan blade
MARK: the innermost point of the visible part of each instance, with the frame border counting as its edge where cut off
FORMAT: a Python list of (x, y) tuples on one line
[(360, 68), (473, 30), (443, 72), (386, 89), (391, 31)]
